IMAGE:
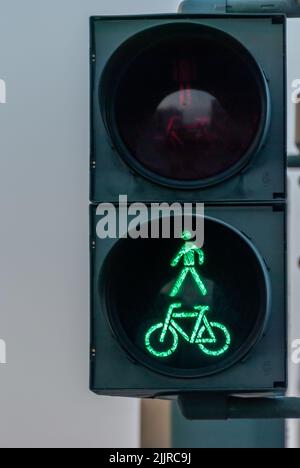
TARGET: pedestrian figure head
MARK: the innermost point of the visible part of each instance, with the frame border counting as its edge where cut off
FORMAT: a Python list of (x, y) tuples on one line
[(186, 236)]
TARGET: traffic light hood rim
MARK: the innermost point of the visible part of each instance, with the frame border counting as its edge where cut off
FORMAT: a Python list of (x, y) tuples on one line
[(108, 90)]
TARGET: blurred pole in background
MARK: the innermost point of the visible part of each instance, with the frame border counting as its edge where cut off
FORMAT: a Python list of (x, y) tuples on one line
[(163, 426), (156, 424)]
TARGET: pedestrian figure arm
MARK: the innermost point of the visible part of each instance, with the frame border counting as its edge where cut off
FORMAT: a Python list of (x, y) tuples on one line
[(201, 256), (178, 257)]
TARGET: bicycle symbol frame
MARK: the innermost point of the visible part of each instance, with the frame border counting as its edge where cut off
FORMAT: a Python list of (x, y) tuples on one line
[(203, 334)]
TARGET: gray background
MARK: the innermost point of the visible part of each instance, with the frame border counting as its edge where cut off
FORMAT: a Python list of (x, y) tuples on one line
[(44, 272)]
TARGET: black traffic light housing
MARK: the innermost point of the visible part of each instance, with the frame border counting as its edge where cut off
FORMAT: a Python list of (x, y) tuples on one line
[(116, 41), (115, 367), (249, 197)]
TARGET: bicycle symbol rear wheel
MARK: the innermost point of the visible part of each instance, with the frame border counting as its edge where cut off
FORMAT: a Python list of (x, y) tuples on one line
[(158, 348), (222, 336)]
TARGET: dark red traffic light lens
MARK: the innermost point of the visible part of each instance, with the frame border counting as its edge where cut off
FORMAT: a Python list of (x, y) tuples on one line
[(189, 108)]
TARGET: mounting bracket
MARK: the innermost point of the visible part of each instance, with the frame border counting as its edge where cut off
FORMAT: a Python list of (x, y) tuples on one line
[(218, 407), (290, 8)]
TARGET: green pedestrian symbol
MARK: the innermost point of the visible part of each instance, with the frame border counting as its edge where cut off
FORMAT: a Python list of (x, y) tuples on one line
[(212, 338), (189, 254)]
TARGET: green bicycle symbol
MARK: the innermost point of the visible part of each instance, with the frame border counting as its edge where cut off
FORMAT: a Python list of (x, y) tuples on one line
[(213, 338)]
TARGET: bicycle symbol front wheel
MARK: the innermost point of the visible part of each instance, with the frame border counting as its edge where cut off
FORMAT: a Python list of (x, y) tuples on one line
[(158, 348), (222, 340)]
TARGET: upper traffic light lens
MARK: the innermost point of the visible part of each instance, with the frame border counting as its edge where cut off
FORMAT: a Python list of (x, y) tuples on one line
[(189, 107)]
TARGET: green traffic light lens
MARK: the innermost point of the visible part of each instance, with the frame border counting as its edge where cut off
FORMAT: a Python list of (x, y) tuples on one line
[(183, 310)]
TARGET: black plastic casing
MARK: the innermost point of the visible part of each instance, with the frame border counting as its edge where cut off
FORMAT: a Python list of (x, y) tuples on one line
[(253, 201)]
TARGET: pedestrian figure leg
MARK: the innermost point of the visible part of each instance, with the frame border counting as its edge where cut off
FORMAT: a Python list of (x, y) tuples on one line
[(179, 282), (198, 281)]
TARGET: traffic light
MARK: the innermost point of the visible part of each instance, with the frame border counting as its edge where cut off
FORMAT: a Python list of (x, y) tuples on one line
[(188, 109)]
